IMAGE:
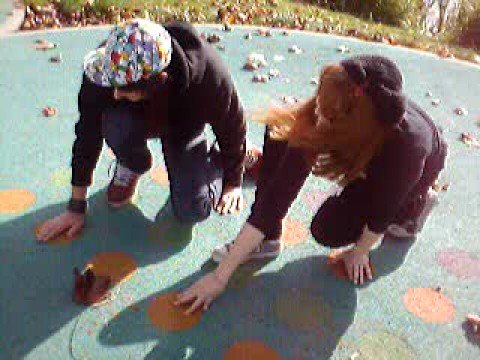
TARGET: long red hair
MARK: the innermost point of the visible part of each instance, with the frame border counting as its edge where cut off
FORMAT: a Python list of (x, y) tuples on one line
[(341, 145)]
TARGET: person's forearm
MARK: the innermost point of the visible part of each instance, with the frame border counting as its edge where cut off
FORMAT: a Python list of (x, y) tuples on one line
[(247, 240), (79, 192), (367, 240)]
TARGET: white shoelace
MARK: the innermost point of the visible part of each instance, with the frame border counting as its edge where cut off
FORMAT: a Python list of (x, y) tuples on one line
[(251, 157), (123, 176)]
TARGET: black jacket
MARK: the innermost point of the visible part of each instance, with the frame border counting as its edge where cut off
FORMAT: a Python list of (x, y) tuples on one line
[(406, 167), (201, 92)]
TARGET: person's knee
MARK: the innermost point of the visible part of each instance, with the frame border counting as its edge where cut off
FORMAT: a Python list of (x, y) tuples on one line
[(317, 233), (192, 209), (122, 127), (111, 129), (324, 234)]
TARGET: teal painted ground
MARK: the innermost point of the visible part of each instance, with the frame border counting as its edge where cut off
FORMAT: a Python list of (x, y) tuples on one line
[(293, 304), (5, 8)]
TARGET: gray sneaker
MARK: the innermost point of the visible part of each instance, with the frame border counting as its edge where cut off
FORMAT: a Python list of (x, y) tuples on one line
[(410, 228), (268, 249)]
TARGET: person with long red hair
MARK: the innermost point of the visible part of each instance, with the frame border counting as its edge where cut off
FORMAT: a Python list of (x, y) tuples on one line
[(360, 131)]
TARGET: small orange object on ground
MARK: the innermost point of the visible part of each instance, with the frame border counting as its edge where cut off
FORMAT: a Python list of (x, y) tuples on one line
[(166, 316), (49, 111)]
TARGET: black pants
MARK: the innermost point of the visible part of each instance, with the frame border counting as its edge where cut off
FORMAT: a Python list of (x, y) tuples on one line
[(194, 172), (341, 219)]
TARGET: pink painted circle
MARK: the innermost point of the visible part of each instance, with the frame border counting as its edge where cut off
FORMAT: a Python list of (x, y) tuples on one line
[(462, 264), (315, 198)]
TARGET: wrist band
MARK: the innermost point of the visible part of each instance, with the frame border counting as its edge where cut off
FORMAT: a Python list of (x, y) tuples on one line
[(77, 206)]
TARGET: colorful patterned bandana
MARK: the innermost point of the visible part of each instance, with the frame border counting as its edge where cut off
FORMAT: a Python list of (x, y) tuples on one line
[(135, 50)]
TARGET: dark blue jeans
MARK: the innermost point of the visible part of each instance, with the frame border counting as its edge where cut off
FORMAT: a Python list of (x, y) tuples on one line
[(194, 171)]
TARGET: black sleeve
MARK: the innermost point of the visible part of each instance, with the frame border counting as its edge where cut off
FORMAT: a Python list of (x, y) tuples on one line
[(230, 131), (391, 176), (272, 203), (92, 100)]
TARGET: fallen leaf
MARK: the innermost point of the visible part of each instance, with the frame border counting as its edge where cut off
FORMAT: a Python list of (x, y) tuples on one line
[(289, 100), (49, 111), (444, 52), (250, 66), (470, 140), (260, 78), (273, 73), (258, 59), (343, 49), (461, 111), (213, 38), (264, 32), (295, 50), (44, 45), (438, 187), (56, 59)]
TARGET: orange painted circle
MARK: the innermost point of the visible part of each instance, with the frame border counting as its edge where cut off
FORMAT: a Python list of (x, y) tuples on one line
[(250, 350), (166, 316), (14, 201), (61, 239), (337, 266), (429, 305), (160, 176), (294, 233), (115, 265)]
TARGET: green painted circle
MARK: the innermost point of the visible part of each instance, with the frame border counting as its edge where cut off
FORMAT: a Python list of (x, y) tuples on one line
[(61, 177), (384, 346)]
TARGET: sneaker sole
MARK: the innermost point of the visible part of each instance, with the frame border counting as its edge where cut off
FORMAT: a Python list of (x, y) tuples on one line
[(118, 205), (216, 257)]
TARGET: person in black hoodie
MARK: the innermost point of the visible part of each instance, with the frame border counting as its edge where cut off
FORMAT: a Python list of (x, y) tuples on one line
[(381, 150), (149, 81)]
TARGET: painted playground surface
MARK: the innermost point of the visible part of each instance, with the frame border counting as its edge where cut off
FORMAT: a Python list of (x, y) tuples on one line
[(295, 307), (5, 8)]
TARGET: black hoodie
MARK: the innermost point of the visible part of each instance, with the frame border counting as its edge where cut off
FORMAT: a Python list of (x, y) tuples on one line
[(201, 92)]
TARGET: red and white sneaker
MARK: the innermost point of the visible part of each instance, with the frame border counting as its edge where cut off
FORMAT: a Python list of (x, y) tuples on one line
[(253, 161), (268, 249), (122, 186)]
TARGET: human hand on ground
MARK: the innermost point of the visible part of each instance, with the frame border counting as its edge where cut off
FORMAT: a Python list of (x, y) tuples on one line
[(68, 222), (202, 293), (357, 264), (231, 201)]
